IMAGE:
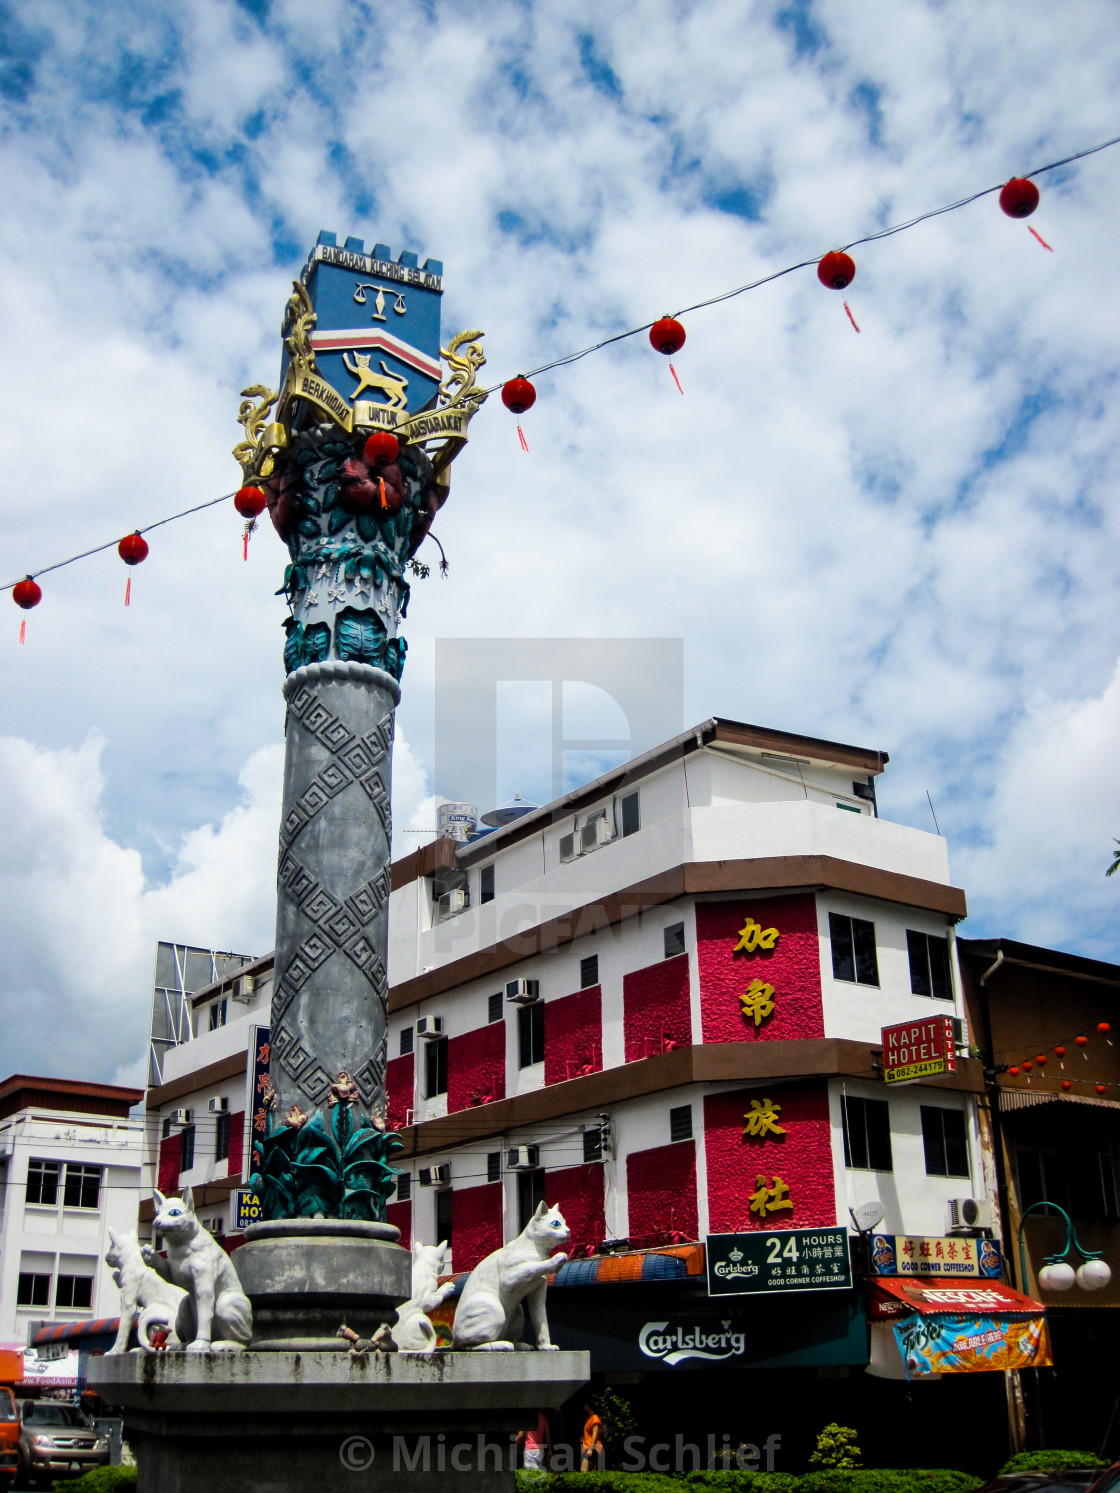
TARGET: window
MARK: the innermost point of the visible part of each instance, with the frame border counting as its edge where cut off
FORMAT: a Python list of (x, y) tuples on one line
[(680, 1122), (217, 1015), (42, 1181), (74, 1291), (445, 1217), (530, 1034), (853, 949), (929, 965), (407, 1037), (404, 1187), (186, 1148), (486, 884), (530, 1195), (674, 940), (493, 1166), (867, 1135), (589, 971), (33, 1290), (165, 1130), (435, 1067), (628, 810), (221, 1139), (83, 1186), (945, 1142), (593, 1143), (850, 808), (494, 1007)]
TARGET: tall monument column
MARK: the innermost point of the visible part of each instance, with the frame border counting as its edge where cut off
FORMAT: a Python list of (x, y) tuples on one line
[(351, 457)]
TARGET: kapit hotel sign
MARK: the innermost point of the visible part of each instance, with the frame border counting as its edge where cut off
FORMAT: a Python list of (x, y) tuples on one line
[(913, 1050)]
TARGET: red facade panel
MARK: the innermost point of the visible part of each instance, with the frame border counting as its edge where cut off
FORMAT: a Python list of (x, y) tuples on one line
[(661, 1185), (801, 1158), (236, 1144), (578, 1192), (476, 1223), (400, 1216), (656, 1010), (573, 1035), (786, 977), (400, 1081), (476, 1067)]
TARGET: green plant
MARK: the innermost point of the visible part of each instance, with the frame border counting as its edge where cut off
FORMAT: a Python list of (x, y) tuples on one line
[(617, 1416), (1049, 1461), (101, 1480), (887, 1480), (836, 1448)]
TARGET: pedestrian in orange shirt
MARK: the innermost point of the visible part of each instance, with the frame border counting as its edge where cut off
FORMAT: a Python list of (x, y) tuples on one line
[(591, 1448)]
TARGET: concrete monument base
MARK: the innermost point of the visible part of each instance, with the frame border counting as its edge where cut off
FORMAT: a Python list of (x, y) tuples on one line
[(282, 1422)]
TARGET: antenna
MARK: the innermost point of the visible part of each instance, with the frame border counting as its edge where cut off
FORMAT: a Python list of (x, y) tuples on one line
[(933, 811)]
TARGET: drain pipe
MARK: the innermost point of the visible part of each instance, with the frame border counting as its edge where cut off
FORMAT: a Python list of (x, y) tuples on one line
[(991, 969)]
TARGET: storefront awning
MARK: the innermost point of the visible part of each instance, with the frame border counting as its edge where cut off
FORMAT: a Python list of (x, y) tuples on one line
[(922, 1329), (939, 1297), (675, 1262), (68, 1332), (1027, 1099)]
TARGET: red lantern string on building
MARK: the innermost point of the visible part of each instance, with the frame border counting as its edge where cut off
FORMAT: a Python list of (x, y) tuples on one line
[(1066, 1085), (836, 271), (1083, 1042), (1019, 198), (1104, 1029), (26, 594), (1101, 1088), (518, 395), (250, 502), (1027, 1067), (668, 336), (1059, 1053), (132, 549), (1041, 1060), (1013, 1071)]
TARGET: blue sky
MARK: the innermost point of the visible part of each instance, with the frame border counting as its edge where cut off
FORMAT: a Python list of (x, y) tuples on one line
[(906, 538)]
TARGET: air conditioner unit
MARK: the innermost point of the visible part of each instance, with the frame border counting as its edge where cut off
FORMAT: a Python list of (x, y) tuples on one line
[(523, 992), (182, 1117), (971, 1213), (522, 1158), (569, 848), (244, 987), (214, 1225), (451, 903), (597, 832), (428, 1028), (217, 1105), (960, 1032), (435, 1176)]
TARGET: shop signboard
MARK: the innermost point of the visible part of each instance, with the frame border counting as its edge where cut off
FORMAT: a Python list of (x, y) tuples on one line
[(244, 1209), (908, 1254), (971, 1345), (781, 1261), (914, 1050)]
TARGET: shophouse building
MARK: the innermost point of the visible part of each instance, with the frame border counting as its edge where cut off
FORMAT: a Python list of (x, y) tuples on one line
[(70, 1164)]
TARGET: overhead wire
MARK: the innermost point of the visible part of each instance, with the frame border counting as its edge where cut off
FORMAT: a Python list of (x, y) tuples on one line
[(605, 342)]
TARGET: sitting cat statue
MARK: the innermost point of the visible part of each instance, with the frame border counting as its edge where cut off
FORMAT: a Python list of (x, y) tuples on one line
[(414, 1333), (146, 1298), (491, 1310), (215, 1314)]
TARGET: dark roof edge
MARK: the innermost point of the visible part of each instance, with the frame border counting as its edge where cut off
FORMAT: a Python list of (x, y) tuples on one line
[(1033, 957)]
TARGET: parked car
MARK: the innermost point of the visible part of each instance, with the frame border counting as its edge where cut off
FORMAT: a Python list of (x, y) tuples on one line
[(9, 1439), (1065, 1480), (57, 1440)]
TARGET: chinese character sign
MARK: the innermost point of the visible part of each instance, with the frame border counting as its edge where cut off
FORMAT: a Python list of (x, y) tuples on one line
[(759, 969), (260, 1052), (903, 1254)]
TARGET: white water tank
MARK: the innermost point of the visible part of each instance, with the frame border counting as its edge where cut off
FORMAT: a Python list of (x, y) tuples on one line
[(456, 821)]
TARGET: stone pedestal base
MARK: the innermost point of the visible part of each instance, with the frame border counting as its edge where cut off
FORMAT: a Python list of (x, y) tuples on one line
[(291, 1422), (306, 1276)]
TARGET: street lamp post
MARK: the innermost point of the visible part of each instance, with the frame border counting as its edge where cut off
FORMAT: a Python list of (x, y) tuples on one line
[(1057, 1274)]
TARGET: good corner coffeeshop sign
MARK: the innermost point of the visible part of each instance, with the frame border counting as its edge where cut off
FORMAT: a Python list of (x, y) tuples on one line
[(779, 1262)]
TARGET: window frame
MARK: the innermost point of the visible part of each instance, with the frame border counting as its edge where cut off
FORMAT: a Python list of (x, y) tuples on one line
[(486, 884), (671, 932), (930, 1140), (530, 1195), (851, 1106), (218, 1011), (495, 1008), (404, 1187), (592, 1144), (221, 1137), (84, 1174), (41, 1175), (408, 1041), (445, 1217), (681, 1129), (838, 935), (33, 1276), (920, 957), (186, 1148), (625, 828), (589, 964), (435, 1067), (493, 1166), (530, 1035), (73, 1281)]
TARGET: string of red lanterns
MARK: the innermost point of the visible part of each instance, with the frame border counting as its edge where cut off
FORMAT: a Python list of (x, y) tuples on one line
[(1018, 198), (1026, 1066)]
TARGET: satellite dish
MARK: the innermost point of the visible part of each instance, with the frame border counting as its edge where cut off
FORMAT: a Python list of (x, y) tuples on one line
[(506, 813), (867, 1216)]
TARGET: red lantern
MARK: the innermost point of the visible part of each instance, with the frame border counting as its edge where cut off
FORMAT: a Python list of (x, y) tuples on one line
[(1100, 1088), (381, 448), (1027, 1067), (518, 395), (250, 502), (837, 270), (1019, 197), (1041, 1060), (1081, 1041), (27, 594), (1059, 1052), (667, 336), (1066, 1085), (133, 548), (1104, 1028), (1014, 1072)]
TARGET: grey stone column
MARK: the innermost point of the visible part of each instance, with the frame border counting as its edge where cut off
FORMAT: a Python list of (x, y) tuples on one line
[(329, 1003)]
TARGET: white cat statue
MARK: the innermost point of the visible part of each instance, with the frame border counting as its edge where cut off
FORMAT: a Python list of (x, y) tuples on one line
[(414, 1333), (215, 1315), (491, 1310), (146, 1298)]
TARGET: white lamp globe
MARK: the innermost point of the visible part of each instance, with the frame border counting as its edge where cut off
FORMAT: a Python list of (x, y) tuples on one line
[(1093, 1275), (1059, 1277)]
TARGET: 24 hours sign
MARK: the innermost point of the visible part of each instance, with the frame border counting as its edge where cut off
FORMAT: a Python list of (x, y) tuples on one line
[(780, 1261)]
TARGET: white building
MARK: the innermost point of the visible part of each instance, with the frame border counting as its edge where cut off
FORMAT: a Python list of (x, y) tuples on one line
[(567, 1022), (70, 1162)]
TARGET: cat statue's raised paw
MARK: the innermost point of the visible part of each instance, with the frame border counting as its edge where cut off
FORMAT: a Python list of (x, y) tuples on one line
[(509, 1282)]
